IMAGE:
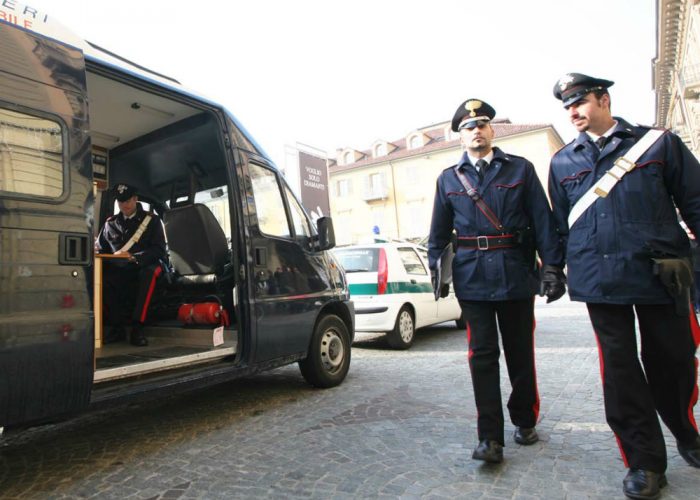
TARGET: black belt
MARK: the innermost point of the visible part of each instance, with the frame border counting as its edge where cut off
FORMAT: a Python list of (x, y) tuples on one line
[(488, 242)]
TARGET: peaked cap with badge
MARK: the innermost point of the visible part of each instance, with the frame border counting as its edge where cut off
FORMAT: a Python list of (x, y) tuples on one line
[(574, 86), (470, 111), (123, 192)]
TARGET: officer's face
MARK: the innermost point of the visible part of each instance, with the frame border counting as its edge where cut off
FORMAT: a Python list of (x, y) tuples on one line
[(591, 113), (128, 207), (477, 139)]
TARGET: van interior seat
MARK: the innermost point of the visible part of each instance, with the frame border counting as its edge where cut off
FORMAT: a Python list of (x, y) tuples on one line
[(197, 245)]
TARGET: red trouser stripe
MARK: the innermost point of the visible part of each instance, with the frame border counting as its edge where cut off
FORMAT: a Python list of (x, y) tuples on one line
[(470, 353), (695, 328), (602, 378), (156, 273)]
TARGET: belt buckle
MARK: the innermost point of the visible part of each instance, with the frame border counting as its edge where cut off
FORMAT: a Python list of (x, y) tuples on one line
[(624, 164), (484, 245)]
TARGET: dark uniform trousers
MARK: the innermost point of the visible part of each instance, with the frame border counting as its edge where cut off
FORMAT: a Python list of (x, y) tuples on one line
[(516, 321), (667, 384), (129, 289)]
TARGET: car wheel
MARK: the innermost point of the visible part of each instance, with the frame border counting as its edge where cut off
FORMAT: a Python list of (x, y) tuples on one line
[(461, 322), (401, 337), (328, 360)]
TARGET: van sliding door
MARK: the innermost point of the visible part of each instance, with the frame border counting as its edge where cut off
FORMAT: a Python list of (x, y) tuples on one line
[(46, 333)]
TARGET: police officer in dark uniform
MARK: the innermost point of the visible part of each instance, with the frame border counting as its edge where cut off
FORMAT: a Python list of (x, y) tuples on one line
[(138, 236), (627, 255), (496, 205)]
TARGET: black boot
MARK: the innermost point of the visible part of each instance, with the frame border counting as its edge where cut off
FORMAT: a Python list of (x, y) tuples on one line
[(137, 337), (488, 451), (525, 435), (690, 451), (643, 484)]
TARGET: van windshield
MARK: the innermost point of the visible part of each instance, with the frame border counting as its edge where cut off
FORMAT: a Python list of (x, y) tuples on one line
[(358, 260)]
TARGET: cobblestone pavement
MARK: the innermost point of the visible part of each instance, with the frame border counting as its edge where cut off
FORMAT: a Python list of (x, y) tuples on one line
[(401, 426)]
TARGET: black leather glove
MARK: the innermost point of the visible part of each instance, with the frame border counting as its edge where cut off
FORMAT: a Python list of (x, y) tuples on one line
[(444, 290), (553, 283), (675, 274)]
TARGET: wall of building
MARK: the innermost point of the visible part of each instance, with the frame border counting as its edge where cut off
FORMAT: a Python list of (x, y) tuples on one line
[(402, 209)]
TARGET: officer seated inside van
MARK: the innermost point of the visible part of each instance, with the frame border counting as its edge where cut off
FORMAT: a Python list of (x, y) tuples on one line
[(137, 236)]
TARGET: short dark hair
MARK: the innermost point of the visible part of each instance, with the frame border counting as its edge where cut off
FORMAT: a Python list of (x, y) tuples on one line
[(598, 93)]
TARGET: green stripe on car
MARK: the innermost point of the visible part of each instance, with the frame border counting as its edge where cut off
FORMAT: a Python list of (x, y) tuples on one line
[(393, 287)]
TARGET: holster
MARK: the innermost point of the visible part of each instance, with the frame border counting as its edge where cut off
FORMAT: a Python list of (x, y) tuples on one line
[(676, 274)]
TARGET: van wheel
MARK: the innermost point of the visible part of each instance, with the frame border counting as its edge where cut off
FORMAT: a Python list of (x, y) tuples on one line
[(328, 360), (461, 322), (401, 337)]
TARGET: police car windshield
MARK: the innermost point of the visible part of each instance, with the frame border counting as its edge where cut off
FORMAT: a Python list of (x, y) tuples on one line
[(358, 260)]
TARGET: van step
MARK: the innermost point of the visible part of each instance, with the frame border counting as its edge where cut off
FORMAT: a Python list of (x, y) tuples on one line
[(188, 336), (143, 361)]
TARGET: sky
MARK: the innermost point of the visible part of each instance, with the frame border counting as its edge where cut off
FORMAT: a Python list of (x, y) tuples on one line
[(345, 73)]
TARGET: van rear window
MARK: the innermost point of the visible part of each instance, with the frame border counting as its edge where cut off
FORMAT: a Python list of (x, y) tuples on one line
[(31, 155), (358, 260)]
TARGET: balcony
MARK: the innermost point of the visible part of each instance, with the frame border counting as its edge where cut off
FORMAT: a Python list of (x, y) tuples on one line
[(375, 193), (689, 77)]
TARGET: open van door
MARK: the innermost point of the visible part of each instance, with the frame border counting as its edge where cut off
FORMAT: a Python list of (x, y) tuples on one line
[(46, 327)]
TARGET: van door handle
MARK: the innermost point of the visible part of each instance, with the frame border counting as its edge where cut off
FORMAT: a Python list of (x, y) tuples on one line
[(260, 256), (413, 282), (73, 249)]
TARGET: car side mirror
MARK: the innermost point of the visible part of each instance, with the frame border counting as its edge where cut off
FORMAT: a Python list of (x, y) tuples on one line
[(326, 235)]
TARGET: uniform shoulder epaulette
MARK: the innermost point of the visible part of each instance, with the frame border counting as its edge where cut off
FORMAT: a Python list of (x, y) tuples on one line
[(450, 167), (564, 146), (111, 217)]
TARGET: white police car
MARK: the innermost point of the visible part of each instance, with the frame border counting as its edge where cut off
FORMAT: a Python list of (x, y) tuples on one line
[(390, 287)]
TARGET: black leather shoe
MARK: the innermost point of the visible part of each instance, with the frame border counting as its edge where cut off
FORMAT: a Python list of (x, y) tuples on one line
[(643, 484), (525, 435), (690, 452), (137, 337), (488, 451), (114, 334)]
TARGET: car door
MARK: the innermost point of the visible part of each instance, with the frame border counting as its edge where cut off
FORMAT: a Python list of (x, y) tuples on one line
[(46, 332), (419, 286)]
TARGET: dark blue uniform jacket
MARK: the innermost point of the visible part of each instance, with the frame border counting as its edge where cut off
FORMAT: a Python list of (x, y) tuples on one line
[(609, 248), (118, 230), (514, 193)]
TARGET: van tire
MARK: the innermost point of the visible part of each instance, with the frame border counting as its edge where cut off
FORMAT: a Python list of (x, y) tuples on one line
[(401, 337), (328, 360), (461, 322)]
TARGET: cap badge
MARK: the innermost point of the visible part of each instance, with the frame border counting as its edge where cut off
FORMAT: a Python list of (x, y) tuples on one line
[(472, 106), (565, 81), (121, 188)]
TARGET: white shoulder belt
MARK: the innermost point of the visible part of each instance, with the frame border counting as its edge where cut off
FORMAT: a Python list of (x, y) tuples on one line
[(622, 165), (137, 235)]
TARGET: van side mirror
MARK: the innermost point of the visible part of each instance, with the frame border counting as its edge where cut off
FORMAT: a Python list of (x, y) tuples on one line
[(326, 235)]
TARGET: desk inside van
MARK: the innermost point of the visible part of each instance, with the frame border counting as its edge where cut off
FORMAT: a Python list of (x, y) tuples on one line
[(97, 293)]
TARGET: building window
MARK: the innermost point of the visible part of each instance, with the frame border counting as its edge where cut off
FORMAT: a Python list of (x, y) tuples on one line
[(348, 158), (31, 155), (415, 142), (343, 187), (380, 150)]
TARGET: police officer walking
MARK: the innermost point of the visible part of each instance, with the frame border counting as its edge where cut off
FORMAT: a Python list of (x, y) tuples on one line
[(614, 191), (496, 205), (138, 236)]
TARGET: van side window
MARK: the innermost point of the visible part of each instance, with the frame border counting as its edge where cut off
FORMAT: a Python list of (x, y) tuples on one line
[(301, 223), (269, 206), (31, 155), (411, 261)]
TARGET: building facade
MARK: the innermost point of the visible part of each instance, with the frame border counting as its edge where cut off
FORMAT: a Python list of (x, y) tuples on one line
[(388, 189), (676, 69)]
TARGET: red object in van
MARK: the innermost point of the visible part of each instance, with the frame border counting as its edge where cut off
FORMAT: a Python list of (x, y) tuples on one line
[(382, 272), (205, 313)]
